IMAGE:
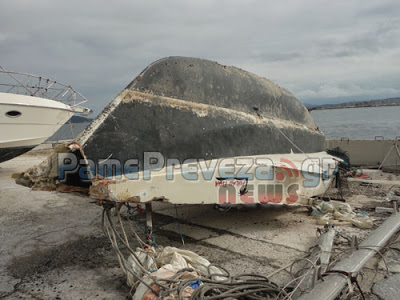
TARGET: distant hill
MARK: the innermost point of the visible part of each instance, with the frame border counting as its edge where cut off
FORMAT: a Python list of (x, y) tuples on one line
[(79, 119), (309, 105), (355, 104)]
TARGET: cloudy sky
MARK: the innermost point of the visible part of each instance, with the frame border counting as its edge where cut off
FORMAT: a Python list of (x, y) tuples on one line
[(322, 51)]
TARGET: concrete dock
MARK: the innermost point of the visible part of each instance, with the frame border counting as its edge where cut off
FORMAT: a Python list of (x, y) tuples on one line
[(52, 244), (53, 247)]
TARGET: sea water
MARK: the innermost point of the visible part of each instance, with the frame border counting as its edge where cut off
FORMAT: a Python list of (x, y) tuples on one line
[(363, 123)]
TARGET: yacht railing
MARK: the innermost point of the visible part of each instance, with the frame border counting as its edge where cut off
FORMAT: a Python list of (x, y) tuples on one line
[(32, 85)]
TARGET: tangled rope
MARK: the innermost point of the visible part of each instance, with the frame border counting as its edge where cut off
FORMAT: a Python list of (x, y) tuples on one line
[(214, 283), (244, 286)]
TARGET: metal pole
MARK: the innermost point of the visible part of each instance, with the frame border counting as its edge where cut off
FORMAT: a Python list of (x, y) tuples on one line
[(149, 222), (334, 283), (319, 258)]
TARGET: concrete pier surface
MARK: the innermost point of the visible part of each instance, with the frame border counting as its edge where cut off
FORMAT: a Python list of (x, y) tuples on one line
[(52, 245)]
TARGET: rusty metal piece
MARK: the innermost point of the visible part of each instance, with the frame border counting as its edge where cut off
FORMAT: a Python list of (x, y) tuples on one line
[(63, 188), (99, 190)]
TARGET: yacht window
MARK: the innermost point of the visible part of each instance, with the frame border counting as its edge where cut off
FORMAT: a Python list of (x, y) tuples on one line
[(13, 113)]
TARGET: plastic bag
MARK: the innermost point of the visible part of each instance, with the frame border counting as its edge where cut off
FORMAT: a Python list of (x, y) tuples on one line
[(194, 260), (339, 213), (176, 262)]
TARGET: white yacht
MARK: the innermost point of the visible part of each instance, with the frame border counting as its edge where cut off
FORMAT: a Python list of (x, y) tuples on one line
[(31, 110)]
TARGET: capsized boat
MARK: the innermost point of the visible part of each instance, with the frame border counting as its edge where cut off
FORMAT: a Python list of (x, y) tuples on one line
[(189, 130), (194, 108), (31, 110)]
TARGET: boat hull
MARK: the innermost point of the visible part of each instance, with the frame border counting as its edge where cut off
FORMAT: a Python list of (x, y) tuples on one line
[(184, 130), (11, 152), (184, 113), (26, 122), (193, 108), (279, 179)]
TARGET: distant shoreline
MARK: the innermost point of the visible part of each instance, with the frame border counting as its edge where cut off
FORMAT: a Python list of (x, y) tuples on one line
[(350, 106)]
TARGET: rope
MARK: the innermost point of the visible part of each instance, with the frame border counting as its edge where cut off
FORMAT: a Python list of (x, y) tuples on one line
[(213, 285), (238, 287), (290, 141)]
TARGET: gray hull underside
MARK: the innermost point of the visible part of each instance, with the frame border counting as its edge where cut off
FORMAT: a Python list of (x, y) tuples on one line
[(10, 153), (190, 108)]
